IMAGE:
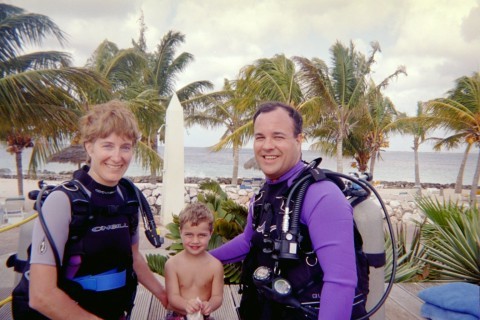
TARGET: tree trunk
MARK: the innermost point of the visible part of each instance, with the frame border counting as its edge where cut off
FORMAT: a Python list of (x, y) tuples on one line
[(476, 176), (236, 152), (18, 162), (340, 154), (459, 182), (418, 186), (372, 163)]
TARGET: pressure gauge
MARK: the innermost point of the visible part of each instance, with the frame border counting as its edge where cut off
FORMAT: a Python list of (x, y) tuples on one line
[(282, 286), (262, 273)]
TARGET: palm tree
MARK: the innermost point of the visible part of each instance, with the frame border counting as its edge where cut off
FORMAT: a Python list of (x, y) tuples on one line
[(124, 70), (460, 114), (416, 127), (336, 98), (159, 84), (337, 93), (163, 69), (231, 108), (234, 106), (274, 79), (380, 122), (365, 142), (121, 67), (146, 81), (41, 96), (459, 181)]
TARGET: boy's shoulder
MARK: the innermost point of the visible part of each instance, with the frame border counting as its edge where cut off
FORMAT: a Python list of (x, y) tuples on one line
[(175, 258), (214, 262)]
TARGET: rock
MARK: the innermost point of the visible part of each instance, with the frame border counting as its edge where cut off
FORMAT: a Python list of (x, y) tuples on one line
[(157, 192), (395, 204), (151, 200), (158, 202)]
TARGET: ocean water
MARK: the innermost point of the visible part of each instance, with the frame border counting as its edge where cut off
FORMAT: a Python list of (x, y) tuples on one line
[(435, 167)]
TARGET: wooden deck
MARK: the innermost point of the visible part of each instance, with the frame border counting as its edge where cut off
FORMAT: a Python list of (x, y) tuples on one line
[(402, 303)]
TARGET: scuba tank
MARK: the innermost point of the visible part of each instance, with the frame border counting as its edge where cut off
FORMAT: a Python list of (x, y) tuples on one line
[(368, 218)]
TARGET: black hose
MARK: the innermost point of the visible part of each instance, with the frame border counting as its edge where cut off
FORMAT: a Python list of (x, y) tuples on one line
[(296, 212), (148, 220), (147, 217), (297, 207)]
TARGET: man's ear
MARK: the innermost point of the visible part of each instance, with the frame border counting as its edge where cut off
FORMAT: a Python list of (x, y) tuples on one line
[(300, 138)]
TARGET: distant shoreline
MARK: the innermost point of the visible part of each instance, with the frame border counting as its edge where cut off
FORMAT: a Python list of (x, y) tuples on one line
[(225, 180)]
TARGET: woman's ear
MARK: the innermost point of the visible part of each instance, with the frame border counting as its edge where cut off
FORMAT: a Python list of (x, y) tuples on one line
[(88, 149)]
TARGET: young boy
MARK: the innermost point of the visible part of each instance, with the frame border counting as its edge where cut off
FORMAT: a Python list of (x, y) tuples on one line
[(194, 278)]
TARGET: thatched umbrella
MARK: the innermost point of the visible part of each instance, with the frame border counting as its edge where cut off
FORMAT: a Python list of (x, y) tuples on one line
[(72, 154), (251, 164)]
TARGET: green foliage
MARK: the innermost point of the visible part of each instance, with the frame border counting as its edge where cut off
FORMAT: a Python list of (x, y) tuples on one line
[(156, 262), (446, 247), (229, 221), (452, 240), (409, 249)]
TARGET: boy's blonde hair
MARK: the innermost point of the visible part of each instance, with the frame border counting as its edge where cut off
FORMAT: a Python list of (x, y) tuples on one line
[(107, 118), (196, 213)]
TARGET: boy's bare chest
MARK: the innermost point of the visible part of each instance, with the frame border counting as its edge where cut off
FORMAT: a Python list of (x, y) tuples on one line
[(195, 273)]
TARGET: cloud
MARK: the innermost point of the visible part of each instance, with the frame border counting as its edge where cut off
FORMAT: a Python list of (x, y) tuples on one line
[(471, 25), (437, 40)]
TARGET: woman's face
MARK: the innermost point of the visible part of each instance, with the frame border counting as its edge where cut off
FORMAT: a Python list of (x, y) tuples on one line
[(109, 158)]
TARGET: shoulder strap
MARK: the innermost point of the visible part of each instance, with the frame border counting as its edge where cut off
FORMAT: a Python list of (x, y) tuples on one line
[(132, 203), (297, 191), (81, 210)]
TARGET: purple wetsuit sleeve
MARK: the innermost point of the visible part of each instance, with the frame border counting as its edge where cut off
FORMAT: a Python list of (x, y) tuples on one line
[(56, 211), (330, 222), (236, 249)]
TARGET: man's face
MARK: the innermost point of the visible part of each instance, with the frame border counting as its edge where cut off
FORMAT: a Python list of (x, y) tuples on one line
[(276, 147)]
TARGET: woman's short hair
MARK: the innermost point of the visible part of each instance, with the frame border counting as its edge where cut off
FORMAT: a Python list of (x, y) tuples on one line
[(107, 118)]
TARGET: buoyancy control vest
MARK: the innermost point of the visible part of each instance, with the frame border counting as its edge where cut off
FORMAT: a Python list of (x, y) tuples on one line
[(97, 266), (260, 298)]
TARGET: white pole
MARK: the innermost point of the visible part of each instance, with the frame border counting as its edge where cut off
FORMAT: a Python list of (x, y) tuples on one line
[(173, 199)]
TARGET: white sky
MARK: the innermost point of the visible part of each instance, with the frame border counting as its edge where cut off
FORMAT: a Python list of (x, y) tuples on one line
[(437, 40)]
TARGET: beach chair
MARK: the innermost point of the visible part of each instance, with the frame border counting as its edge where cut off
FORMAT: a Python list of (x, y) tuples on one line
[(13, 209), (246, 184)]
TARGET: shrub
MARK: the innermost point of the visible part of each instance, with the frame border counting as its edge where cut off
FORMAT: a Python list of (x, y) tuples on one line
[(451, 237)]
